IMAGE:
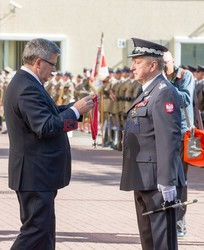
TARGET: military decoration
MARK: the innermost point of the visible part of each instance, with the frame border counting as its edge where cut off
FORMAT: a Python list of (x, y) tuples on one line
[(169, 107)]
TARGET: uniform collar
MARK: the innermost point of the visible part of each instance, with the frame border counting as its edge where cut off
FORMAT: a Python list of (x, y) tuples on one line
[(147, 91), (146, 85)]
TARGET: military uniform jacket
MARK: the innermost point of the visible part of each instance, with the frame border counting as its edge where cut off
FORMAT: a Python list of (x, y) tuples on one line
[(39, 153), (152, 139)]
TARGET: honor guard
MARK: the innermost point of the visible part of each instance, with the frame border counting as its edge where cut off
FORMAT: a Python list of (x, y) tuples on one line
[(116, 125), (66, 92), (56, 86), (131, 93)]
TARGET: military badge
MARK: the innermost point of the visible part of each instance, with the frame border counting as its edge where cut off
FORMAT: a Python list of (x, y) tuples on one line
[(162, 85), (169, 107), (141, 104)]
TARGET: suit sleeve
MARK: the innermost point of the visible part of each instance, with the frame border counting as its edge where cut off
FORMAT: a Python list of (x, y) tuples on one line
[(167, 125), (39, 116)]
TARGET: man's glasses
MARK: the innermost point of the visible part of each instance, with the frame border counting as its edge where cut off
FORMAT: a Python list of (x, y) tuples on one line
[(50, 63)]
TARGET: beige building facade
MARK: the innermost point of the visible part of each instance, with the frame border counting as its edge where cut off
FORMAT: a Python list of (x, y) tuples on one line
[(76, 26)]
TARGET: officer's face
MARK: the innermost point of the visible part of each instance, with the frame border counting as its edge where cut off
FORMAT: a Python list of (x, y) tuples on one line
[(142, 68), (199, 75)]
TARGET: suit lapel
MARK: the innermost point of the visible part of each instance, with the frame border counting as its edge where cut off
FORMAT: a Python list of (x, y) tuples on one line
[(147, 91)]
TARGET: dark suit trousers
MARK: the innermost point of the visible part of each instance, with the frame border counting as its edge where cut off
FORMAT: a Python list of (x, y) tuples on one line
[(38, 218), (182, 192), (157, 231)]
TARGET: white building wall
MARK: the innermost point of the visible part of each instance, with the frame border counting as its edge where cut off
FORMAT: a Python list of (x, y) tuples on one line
[(82, 21)]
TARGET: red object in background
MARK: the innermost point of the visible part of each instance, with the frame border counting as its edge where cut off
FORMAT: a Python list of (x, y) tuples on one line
[(94, 121), (194, 147)]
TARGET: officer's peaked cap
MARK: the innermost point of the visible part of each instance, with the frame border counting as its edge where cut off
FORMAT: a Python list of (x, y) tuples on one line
[(147, 48), (8, 70), (126, 70), (59, 73), (200, 68), (79, 76), (118, 71), (110, 70), (191, 68)]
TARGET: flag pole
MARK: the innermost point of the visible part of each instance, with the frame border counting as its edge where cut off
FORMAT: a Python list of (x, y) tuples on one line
[(99, 73), (102, 100)]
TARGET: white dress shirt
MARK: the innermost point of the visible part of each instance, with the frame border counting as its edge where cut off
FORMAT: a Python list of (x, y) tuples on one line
[(149, 82)]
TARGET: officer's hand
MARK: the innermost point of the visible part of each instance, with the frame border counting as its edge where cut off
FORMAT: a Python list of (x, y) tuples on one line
[(168, 192), (85, 104)]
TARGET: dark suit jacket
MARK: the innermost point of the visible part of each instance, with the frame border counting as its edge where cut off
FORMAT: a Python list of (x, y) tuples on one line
[(39, 156), (152, 139)]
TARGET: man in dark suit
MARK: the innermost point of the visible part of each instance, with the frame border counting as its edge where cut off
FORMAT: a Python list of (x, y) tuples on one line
[(39, 156), (152, 166)]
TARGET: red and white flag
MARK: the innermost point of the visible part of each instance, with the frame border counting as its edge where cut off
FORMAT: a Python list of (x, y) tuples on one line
[(99, 74), (103, 72), (100, 70)]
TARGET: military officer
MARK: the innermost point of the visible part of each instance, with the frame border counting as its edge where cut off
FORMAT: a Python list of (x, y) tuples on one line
[(152, 165), (193, 70)]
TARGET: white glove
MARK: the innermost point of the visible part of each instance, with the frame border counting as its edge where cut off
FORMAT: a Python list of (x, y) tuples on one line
[(168, 192)]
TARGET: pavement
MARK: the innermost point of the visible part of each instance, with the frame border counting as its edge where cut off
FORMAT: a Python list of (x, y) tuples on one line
[(92, 213)]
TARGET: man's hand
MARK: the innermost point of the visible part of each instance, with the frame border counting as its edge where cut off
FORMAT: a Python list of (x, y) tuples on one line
[(85, 104), (168, 192)]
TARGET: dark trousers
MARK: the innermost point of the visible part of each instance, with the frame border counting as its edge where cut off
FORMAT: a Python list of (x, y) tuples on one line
[(157, 231), (182, 191), (37, 215)]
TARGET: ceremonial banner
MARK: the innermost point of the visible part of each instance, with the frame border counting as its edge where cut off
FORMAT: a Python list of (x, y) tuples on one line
[(100, 70)]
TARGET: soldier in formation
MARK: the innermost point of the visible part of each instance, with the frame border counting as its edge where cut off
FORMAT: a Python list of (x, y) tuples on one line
[(198, 74)]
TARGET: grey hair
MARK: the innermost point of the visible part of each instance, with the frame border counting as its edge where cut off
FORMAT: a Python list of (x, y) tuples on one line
[(39, 48), (159, 60)]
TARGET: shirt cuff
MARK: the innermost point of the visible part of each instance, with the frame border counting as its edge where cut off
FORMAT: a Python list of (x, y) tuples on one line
[(76, 112)]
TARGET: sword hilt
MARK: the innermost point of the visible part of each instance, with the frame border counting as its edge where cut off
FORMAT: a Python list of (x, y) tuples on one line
[(176, 205)]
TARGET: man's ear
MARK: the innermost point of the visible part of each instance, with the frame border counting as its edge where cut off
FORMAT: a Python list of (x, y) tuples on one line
[(37, 63), (153, 66)]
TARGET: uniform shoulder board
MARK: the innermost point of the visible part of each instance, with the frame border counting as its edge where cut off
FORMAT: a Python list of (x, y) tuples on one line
[(162, 85)]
